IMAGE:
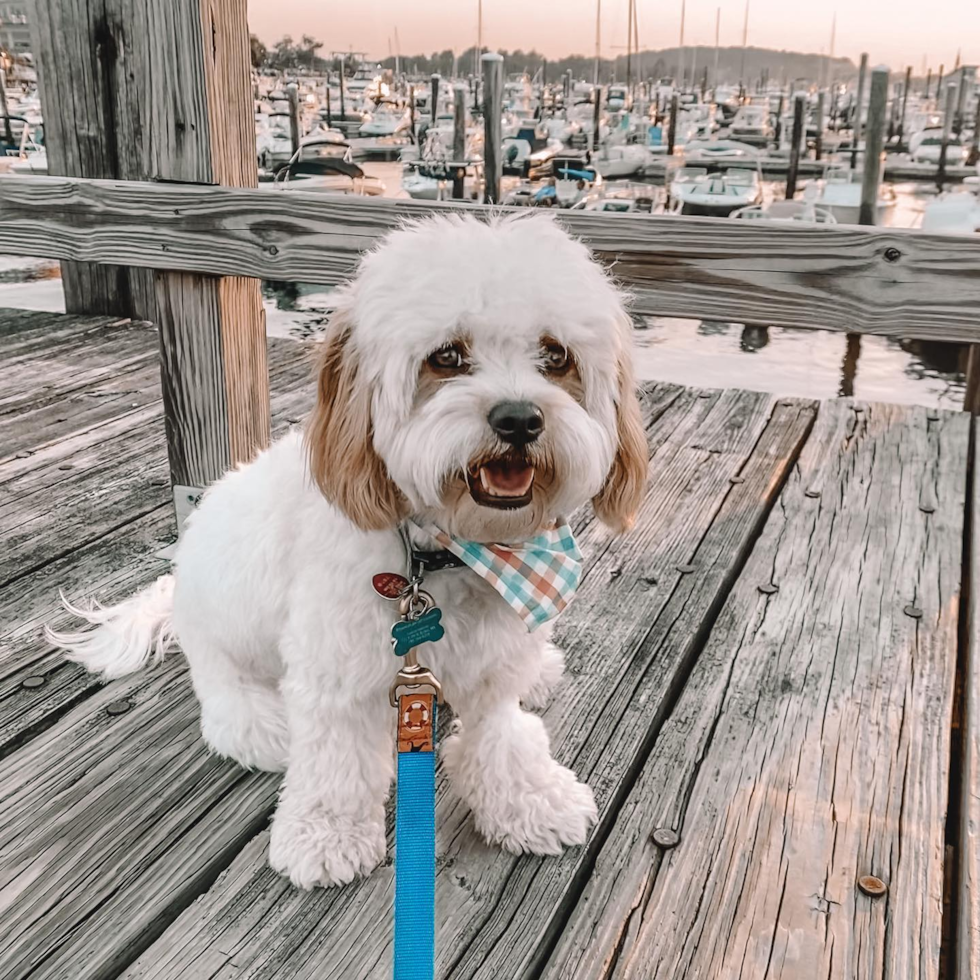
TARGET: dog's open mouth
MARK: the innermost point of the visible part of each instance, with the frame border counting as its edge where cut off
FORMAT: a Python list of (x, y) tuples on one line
[(506, 482)]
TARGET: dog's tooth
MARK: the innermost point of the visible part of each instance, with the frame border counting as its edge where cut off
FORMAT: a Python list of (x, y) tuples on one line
[(483, 479)]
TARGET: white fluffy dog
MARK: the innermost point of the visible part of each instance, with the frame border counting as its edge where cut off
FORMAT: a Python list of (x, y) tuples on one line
[(477, 377)]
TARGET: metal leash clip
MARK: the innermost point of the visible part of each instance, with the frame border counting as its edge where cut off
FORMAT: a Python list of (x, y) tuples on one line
[(419, 623)]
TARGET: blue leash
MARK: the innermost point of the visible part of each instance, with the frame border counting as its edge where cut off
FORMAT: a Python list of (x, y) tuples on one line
[(415, 838)]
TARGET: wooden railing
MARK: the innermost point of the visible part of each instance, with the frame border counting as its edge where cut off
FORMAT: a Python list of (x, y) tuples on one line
[(888, 282)]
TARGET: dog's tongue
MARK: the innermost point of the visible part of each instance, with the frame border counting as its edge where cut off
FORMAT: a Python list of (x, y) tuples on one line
[(506, 478)]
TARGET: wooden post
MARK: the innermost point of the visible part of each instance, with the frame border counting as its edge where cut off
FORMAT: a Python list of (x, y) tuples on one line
[(905, 102), (960, 94), (596, 116), (799, 107), (329, 113), (928, 83), (7, 134), (856, 121), (974, 155), (672, 125), (947, 124), (434, 81), (162, 91), (459, 140), (343, 91), (818, 143), (779, 120), (873, 146), (493, 107), (292, 93)]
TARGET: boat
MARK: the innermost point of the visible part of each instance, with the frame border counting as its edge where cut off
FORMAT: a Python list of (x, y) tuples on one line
[(622, 159), (802, 211), (706, 152), (528, 151), (751, 124), (273, 142), (617, 98), (953, 213), (323, 163), (840, 193), (387, 119), (28, 156), (696, 190), (926, 145), (624, 198)]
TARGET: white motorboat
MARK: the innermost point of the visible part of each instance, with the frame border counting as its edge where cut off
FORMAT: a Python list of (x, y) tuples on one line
[(617, 98), (528, 151), (751, 124), (273, 143), (386, 120), (926, 145), (622, 159), (695, 190), (705, 152), (802, 211), (626, 198), (840, 193), (323, 163)]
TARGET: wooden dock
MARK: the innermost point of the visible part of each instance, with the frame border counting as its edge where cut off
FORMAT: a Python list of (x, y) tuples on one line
[(765, 688)]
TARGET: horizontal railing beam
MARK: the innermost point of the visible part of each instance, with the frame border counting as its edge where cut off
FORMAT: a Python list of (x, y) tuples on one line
[(890, 282)]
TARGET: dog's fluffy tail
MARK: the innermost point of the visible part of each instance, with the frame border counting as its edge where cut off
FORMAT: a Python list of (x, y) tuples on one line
[(125, 635)]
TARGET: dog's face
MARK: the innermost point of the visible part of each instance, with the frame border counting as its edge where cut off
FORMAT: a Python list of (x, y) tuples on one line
[(477, 376)]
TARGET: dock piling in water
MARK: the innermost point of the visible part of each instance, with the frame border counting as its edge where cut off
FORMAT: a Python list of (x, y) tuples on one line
[(292, 93), (459, 140), (672, 125), (949, 109), (856, 114), (873, 146), (493, 106), (798, 136)]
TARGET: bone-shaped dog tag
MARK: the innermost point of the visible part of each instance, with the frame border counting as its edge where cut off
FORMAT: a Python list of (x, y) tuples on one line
[(410, 633)]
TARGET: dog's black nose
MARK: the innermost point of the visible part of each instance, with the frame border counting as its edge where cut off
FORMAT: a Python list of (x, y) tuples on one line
[(517, 423)]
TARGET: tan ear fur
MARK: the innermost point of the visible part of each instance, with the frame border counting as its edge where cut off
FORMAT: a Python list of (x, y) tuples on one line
[(339, 438), (618, 501)]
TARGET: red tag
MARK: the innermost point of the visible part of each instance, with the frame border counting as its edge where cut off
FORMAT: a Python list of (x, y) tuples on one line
[(389, 585)]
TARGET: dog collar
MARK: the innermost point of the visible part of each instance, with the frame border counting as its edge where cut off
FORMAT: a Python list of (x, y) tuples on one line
[(537, 578)]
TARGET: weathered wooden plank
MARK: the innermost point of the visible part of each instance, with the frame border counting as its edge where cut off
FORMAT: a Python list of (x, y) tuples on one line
[(628, 639), (810, 745), (968, 866), (892, 282)]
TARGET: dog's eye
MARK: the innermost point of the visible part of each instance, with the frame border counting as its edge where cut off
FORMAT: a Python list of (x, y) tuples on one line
[(554, 357), (452, 357)]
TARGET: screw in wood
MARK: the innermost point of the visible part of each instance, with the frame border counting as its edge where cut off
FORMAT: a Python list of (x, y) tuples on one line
[(686, 569), (913, 612), (892, 254), (767, 588), (665, 838), (704, 394), (32, 682), (117, 708), (736, 479), (812, 494), (927, 508), (872, 886)]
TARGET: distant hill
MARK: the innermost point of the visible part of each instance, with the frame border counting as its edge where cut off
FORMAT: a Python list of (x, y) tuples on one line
[(784, 66)]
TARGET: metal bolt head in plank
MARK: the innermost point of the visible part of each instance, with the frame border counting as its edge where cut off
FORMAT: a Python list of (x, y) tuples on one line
[(872, 886), (33, 682), (665, 838), (705, 394), (913, 612), (118, 708), (768, 588), (736, 479)]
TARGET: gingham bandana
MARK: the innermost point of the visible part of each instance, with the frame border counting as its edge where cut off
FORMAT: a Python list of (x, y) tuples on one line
[(537, 578)]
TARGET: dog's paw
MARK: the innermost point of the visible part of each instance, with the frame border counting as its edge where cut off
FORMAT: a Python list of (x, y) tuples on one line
[(552, 666), (325, 850), (557, 814)]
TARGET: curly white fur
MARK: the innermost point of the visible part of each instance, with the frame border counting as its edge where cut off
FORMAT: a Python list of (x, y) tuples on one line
[(271, 600)]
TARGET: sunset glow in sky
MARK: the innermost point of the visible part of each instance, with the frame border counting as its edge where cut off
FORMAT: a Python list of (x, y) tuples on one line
[(893, 32)]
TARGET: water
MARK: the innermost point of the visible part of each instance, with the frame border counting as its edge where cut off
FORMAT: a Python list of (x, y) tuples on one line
[(802, 363)]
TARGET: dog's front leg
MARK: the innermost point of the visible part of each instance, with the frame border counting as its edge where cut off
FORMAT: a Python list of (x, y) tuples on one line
[(329, 825), (501, 765)]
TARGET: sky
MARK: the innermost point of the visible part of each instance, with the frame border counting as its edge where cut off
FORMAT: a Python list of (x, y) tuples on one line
[(893, 32)]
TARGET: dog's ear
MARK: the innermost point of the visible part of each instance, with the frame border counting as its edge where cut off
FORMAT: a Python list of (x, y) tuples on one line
[(342, 459), (618, 501)]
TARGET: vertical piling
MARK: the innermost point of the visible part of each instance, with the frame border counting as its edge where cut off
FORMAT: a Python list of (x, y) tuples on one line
[(856, 120), (818, 143), (493, 106), (596, 116), (7, 134), (799, 115), (343, 89), (905, 102), (412, 120), (947, 125), (874, 145), (672, 125), (434, 81), (459, 140), (974, 154), (779, 119), (292, 93), (329, 112)]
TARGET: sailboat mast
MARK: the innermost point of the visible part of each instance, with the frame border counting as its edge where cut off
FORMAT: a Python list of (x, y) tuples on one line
[(681, 45), (479, 38), (598, 47), (714, 74), (629, 48), (745, 42)]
